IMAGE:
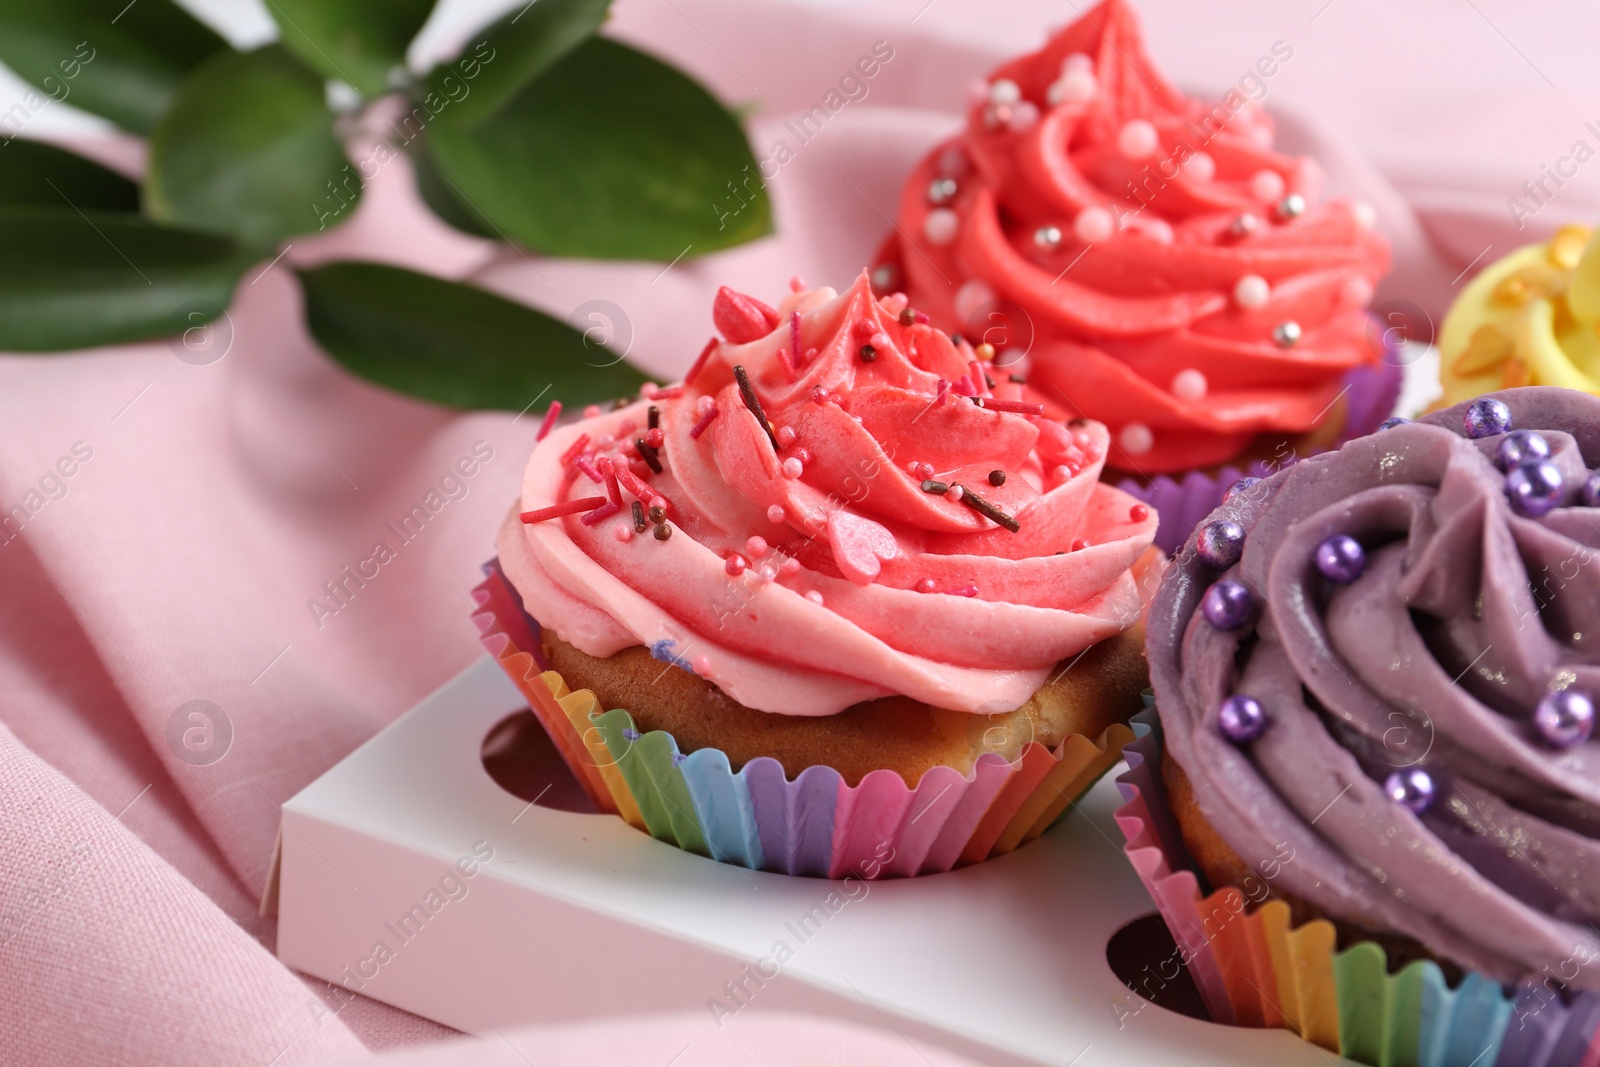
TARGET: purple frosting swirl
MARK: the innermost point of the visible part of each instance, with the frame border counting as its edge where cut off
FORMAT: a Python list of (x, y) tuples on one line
[(1437, 656)]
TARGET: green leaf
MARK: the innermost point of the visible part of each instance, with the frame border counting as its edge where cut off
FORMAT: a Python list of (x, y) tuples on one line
[(116, 59), (248, 150), (442, 197), (511, 52), (357, 41), (71, 279), (42, 175), (609, 154), (454, 344)]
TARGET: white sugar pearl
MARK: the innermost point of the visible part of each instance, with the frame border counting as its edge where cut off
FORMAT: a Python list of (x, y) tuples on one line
[(1251, 291), (1159, 230), (1200, 167), (1135, 439), (1093, 225), (814, 596), (1189, 384), (775, 513), (1003, 92), (1138, 140), (793, 468), (1077, 61), (1268, 185), (1076, 86), (1024, 117), (941, 225), (1365, 214), (972, 296)]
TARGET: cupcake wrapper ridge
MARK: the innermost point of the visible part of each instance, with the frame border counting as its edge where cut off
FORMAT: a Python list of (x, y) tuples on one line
[(812, 824), (1253, 968)]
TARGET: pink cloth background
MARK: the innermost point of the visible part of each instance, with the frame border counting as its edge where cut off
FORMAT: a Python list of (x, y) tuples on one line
[(178, 563)]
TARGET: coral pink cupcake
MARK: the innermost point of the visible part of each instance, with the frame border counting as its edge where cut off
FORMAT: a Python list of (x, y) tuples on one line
[(1151, 262)]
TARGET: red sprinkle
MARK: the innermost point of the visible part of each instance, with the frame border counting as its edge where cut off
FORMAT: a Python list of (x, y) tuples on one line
[(549, 420), (794, 340), (655, 437), (639, 488), (1138, 513), (601, 513), (609, 469), (1018, 406), (584, 464), (740, 317), (819, 395), (700, 361), (966, 590), (944, 389), (569, 507), (1079, 545), (575, 449), (700, 427), (976, 370)]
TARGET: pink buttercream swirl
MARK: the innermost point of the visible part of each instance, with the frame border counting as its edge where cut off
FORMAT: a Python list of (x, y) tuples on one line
[(807, 566)]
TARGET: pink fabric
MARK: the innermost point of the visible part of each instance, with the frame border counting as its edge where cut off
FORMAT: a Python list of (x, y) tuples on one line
[(176, 562)]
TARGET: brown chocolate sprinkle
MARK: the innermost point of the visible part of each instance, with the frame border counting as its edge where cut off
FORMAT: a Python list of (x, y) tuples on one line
[(663, 531), (932, 486), (1020, 379), (907, 316), (997, 477), (638, 517), (658, 514), (753, 402), (986, 509), (654, 418), (867, 353), (648, 454)]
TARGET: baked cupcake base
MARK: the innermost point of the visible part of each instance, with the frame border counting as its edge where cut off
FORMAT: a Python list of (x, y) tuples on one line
[(818, 819)]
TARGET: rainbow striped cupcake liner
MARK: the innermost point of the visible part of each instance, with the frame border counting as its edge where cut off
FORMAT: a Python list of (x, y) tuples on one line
[(813, 823), (1253, 968)]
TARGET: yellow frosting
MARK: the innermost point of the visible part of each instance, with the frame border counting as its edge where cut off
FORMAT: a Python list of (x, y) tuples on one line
[(1528, 319)]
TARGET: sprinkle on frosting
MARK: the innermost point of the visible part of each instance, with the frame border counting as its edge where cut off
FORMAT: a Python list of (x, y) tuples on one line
[(838, 510)]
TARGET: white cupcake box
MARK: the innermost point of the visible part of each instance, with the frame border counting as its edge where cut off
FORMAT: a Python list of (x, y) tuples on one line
[(406, 873)]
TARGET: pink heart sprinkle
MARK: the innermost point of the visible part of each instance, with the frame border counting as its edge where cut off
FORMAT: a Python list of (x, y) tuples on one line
[(859, 546)]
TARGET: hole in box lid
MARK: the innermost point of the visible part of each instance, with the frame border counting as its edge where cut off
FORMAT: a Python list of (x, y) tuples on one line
[(523, 761), (1146, 959)]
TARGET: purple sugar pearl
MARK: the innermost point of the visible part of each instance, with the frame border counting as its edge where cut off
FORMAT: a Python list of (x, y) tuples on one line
[(1238, 487), (1389, 424), (1521, 446), (1486, 417), (1534, 487), (1241, 719), (1341, 559), (1591, 490), (1564, 717), (1412, 787), (1228, 605), (1219, 544)]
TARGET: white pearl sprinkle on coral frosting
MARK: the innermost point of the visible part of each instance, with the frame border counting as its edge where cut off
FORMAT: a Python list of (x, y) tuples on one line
[(1189, 384), (1135, 439), (1138, 140), (941, 225), (1093, 225), (1004, 92), (1251, 291)]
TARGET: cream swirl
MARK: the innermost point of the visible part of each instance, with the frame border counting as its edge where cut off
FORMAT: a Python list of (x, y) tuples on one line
[(1163, 270), (1424, 756), (900, 525)]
